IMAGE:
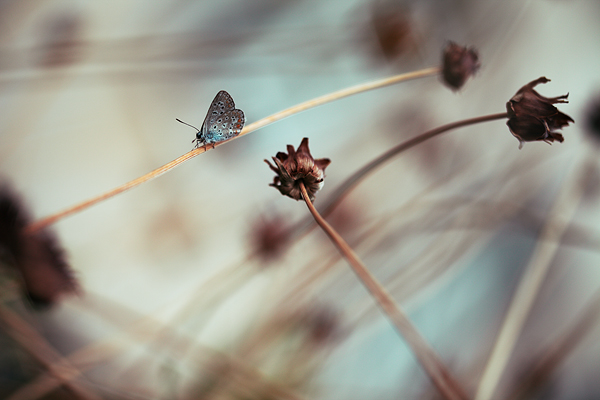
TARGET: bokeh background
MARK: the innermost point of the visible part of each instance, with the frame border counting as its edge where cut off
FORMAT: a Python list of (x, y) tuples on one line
[(176, 303)]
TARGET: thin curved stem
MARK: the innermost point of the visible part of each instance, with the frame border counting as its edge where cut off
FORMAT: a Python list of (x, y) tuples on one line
[(430, 361), (558, 351), (549, 240), (60, 369), (42, 223), (49, 220), (340, 94), (355, 178)]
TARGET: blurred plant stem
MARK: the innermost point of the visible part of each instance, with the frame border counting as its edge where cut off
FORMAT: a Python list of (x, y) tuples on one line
[(340, 94), (64, 370), (555, 354), (58, 367), (430, 361), (547, 245), (334, 200)]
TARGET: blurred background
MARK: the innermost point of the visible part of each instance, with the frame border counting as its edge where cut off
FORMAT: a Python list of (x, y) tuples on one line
[(189, 288)]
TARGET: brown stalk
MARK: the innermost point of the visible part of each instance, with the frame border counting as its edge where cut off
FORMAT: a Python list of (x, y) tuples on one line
[(141, 330), (556, 354), (549, 241), (49, 220), (355, 178), (430, 361), (58, 367)]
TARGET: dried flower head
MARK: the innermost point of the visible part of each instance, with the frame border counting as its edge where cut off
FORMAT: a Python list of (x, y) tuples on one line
[(270, 235), (295, 167), (38, 259), (61, 40), (458, 64), (319, 324), (323, 324), (393, 30), (593, 119), (532, 116)]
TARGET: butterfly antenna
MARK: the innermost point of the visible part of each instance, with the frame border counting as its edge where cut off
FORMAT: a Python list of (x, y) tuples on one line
[(185, 123)]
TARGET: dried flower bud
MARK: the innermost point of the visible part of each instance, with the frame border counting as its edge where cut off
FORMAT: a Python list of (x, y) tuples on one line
[(393, 30), (36, 257), (61, 40), (458, 64), (532, 116), (295, 167), (324, 325), (318, 323), (270, 235), (593, 119)]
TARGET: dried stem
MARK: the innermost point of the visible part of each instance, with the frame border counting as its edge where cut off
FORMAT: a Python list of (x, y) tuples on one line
[(340, 94), (58, 367), (355, 178), (432, 364), (141, 329), (559, 350), (42, 223), (547, 245)]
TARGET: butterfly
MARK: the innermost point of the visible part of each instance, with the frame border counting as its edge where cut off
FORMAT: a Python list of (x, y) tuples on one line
[(223, 121)]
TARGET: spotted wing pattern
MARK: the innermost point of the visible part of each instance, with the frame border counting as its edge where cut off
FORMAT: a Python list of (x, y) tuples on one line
[(223, 120)]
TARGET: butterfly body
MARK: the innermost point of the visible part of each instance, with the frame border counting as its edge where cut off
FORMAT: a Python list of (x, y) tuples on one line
[(223, 121)]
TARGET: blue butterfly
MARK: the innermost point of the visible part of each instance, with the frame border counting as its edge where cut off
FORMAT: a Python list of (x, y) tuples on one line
[(223, 121)]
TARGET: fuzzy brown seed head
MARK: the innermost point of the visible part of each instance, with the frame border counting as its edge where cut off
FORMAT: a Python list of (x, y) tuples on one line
[(298, 166), (36, 257), (324, 325), (270, 234), (393, 30), (62, 42), (458, 64), (592, 122), (320, 324), (533, 117)]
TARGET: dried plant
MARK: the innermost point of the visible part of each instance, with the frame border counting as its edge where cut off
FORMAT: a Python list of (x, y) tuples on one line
[(480, 229)]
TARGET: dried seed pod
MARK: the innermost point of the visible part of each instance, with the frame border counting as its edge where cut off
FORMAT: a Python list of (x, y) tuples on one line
[(37, 257), (533, 117), (298, 166), (458, 64)]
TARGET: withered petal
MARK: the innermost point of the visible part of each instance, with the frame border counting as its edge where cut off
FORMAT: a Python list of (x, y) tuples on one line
[(282, 171), (291, 151), (322, 163), (527, 128), (558, 121), (533, 83), (282, 156), (304, 146), (552, 136), (273, 168), (532, 105)]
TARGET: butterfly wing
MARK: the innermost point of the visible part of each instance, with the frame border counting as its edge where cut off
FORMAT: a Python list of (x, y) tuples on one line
[(215, 126), (226, 126), (237, 121)]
